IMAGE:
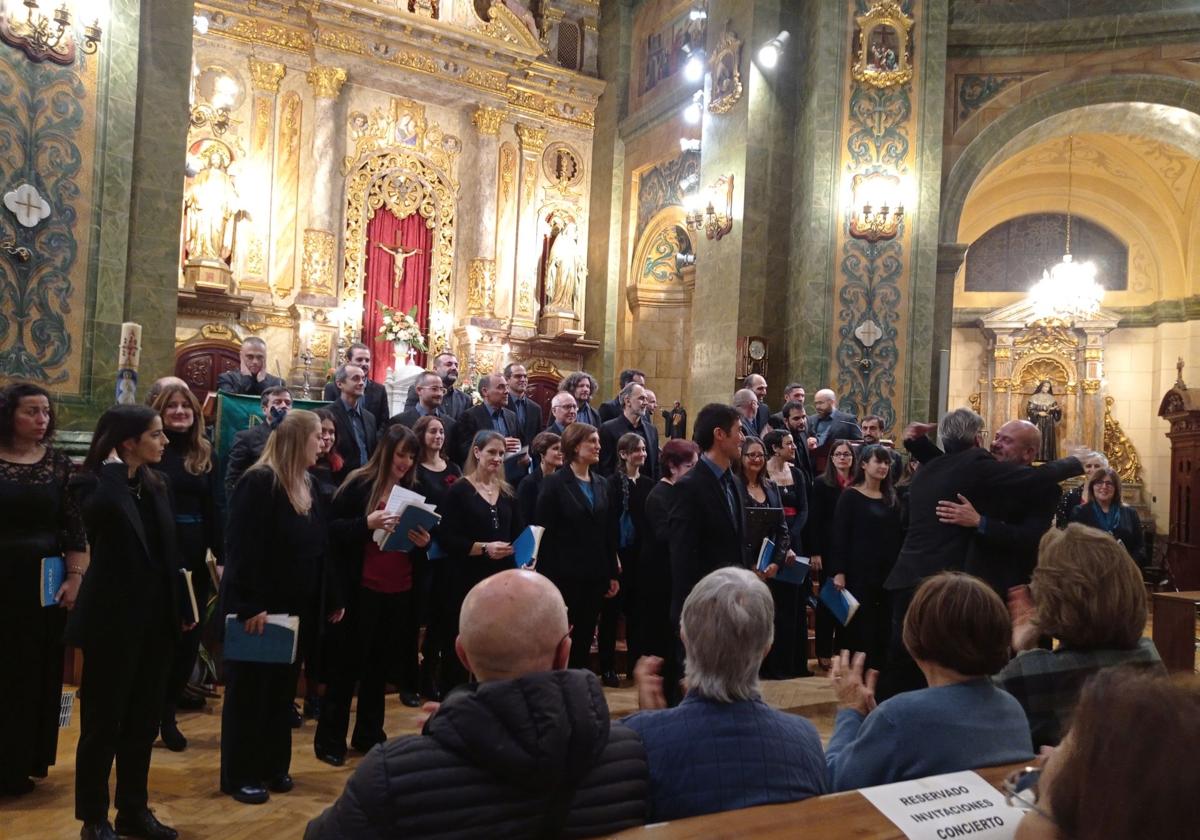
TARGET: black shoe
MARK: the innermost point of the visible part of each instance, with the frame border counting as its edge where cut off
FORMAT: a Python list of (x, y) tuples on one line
[(143, 824), (174, 740), (251, 795), (611, 680), (364, 747), (332, 759), (281, 785), (190, 701), (296, 720), (410, 699), (98, 831), (16, 787), (431, 692), (312, 708)]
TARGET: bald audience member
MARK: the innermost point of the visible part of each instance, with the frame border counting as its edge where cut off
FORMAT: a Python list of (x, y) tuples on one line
[(829, 424), (758, 384), (1004, 545), (527, 751)]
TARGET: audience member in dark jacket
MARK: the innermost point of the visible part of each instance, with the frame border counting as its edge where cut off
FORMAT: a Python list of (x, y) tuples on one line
[(251, 378), (527, 752), (248, 444), (1107, 512), (375, 396), (723, 748), (356, 427), (547, 454)]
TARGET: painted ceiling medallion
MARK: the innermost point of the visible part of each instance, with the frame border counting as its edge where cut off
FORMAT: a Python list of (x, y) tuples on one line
[(27, 205)]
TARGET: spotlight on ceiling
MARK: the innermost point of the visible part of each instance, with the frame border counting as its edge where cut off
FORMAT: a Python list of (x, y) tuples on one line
[(697, 14), (695, 109), (693, 71), (769, 53)]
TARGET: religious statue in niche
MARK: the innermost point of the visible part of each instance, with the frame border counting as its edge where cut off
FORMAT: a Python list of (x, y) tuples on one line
[(883, 46), (212, 210), (1044, 412), (564, 271), (725, 67)]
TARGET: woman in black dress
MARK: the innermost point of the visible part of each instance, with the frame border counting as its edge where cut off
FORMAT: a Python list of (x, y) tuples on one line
[(579, 548), (126, 619), (187, 463), (480, 520), (628, 487), (40, 519), (275, 545), (377, 641), (436, 474), (329, 461), (866, 538), (311, 656), (839, 470), (546, 450), (788, 657)]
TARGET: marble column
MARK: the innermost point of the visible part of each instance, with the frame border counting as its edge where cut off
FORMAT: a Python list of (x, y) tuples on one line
[(265, 76), (479, 172), (949, 260), (317, 284), (529, 245)]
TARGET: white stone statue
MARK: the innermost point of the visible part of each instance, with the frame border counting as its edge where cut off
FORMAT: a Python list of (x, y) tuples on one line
[(564, 272), (213, 209)]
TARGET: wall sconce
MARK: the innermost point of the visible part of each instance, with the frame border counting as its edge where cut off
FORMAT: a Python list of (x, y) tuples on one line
[(769, 53), (711, 210), (686, 145), (213, 95), (877, 206), (695, 109), (45, 37)]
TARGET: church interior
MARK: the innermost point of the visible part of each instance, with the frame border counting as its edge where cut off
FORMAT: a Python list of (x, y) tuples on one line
[(861, 195)]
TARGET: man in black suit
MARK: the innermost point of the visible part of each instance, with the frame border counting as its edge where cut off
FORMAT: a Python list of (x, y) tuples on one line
[(356, 427), (931, 545), (632, 419), (375, 396), (455, 401), (529, 413), (430, 395), (1004, 543), (582, 386), (676, 421), (613, 408), (829, 424), (795, 421), (746, 403), (707, 521), (563, 412), (794, 392), (490, 415), (252, 378), (758, 384), (872, 432), (248, 444)]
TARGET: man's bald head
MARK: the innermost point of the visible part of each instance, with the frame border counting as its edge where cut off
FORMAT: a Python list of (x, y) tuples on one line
[(1018, 442), (512, 624), (825, 400)]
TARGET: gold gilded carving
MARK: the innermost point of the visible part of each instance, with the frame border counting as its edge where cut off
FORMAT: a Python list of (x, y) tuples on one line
[(543, 367), (1118, 448), (487, 120), (1001, 385), (1002, 353), (326, 81), (1090, 387), (261, 32), (1093, 354), (403, 125), (975, 402), (316, 273), (508, 169), (883, 46), (525, 298), (505, 26), (260, 139), (218, 332), (525, 100), (286, 195), (481, 288), (1043, 367), (368, 188), (338, 40), (320, 344), (1050, 335), (563, 166), (725, 67), (266, 75), (256, 257), (532, 139), (485, 79)]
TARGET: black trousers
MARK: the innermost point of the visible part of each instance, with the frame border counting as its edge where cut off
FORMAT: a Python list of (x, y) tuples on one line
[(624, 603), (256, 731), (900, 672), (120, 695), (870, 630), (376, 647), (584, 599), (787, 658), (826, 631), (184, 660)]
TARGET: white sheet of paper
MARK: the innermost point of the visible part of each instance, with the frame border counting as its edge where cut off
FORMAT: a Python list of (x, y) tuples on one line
[(950, 805), (398, 497)]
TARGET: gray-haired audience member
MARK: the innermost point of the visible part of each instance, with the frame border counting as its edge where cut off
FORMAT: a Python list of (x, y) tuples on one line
[(252, 377), (723, 748), (528, 751), (746, 403)]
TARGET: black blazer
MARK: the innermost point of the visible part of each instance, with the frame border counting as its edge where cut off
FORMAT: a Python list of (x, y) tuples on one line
[(409, 418), (375, 400), (609, 410), (236, 382), (472, 421), (843, 426), (533, 420), (127, 573), (248, 445), (580, 542), (346, 446), (704, 536), (931, 546), (748, 427), (454, 403), (612, 431), (349, 536)]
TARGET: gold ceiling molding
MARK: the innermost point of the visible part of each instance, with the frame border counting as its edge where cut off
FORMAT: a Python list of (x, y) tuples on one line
[(1049, 335), (256, 31), (402, 125), (505, 26), (266, 75), (532, 139), (487, 120), (326, 81), (385, 178)]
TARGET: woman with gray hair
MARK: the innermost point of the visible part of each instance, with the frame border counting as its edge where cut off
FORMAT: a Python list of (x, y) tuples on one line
[(723, 730), (1078, 496)]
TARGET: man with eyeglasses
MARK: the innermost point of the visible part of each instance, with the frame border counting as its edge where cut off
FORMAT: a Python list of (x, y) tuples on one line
[(455, 402), (375, 396), (431, 395), (564, 410), (529, 413)]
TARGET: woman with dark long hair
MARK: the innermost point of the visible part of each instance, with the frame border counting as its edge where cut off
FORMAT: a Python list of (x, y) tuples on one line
[(579, 548), (480, 520), (329, 460), (188, 464), (546, 450), (40, 519), (275, 546), (839, 471), (866, 539), (126, 619), (788, 656), (377, 642)]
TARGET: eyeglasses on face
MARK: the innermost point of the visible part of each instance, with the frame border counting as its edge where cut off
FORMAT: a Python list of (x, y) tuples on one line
[(843, 454)]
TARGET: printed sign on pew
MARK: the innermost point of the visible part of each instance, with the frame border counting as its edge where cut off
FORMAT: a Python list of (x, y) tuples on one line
[(944, 807)]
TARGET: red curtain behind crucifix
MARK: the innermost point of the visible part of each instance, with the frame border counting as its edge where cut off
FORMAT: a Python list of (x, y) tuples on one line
[(404, 234)]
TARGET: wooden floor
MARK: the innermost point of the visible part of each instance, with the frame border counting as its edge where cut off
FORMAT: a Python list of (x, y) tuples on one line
[(183, 786)]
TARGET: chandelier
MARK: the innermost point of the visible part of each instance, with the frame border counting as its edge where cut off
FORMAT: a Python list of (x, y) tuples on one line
[(1068, 290)]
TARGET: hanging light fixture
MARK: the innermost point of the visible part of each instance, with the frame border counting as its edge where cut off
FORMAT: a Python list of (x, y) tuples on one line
[(1068, 290)]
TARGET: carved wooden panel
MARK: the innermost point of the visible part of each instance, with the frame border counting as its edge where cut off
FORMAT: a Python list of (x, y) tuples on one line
[(200, 364)]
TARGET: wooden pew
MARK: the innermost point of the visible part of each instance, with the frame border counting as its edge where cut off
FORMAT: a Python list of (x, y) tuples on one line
[(835, 815), (1175, 629)]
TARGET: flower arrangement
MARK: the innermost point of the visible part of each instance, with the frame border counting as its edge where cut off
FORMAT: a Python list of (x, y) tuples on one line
[(401, 326), (470, 387)]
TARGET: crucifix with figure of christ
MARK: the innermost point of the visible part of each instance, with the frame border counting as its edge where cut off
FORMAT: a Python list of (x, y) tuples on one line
[(399, 256)]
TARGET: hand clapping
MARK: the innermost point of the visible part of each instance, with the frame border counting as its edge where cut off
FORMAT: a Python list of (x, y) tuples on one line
[(852, 690)]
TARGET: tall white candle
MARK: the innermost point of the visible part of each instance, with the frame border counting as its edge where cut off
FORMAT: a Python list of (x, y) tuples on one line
[(131, 346)]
